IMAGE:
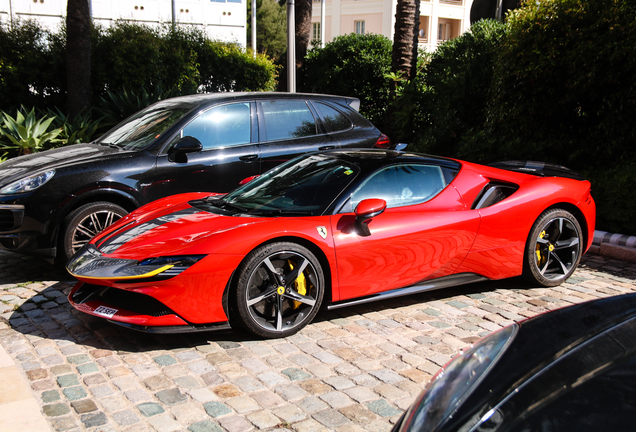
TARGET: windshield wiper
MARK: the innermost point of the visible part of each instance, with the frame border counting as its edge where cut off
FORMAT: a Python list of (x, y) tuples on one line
[(220, 203), (283, 212), (105, 144)]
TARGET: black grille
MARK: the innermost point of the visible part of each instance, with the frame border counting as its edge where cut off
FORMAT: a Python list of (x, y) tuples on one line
[(7, 221), (121, 299)]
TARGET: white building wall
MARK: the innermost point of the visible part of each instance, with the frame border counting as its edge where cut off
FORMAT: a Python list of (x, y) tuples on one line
[(340, 13), (224, 21)]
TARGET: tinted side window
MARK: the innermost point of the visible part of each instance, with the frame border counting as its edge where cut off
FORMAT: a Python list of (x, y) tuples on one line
[(400, 185), (286, 119), (334, 120), (222, 126)]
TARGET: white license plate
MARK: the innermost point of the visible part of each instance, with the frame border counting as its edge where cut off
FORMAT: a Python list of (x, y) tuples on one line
[(105, 311)]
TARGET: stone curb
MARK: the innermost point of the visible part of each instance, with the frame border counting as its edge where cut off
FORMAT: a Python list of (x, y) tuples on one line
[(617, 246)]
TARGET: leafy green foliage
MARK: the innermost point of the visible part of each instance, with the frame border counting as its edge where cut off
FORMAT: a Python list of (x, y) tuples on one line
[(352, 65), (227, 67), (116, 106), (79, 129), (134, 56), (564, 84), (26, 133), (444, 105), (125, 56), (271, 28), (29, 71)]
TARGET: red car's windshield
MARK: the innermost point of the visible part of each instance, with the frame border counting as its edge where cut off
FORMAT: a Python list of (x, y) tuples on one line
[(302, 186)]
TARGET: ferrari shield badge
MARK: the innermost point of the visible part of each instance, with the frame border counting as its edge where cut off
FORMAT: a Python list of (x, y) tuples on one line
[(322, 231)]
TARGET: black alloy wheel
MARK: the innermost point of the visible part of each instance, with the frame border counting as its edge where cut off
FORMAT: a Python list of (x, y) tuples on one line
[(279, 289), (86, 222), (554, 248)]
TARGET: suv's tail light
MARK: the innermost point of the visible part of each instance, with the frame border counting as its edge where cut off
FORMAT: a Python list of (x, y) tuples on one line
[(383, 142)]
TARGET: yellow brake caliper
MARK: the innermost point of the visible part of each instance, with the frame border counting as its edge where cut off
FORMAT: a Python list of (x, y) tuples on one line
[(540, 259), (300, 283)]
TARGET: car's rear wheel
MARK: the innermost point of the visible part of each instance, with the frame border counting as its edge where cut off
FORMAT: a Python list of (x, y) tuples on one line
[(85, 222), (279, 290), (554, 248)]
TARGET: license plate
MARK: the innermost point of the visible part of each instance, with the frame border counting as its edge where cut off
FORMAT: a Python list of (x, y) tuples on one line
[(105, 311)]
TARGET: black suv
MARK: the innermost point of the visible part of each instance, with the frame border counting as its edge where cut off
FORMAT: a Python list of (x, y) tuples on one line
[(52, 203)]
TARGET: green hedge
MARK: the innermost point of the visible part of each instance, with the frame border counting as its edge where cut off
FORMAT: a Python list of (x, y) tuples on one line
[(125, 55), (352, 65)]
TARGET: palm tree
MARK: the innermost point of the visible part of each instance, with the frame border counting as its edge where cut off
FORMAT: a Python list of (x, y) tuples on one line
[(302, 19), (407, 23), (78, 56)]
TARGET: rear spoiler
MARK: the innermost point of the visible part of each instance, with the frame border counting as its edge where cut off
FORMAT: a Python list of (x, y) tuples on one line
[(540, 169)]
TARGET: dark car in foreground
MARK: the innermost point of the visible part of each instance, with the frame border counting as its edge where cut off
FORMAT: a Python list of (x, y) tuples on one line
[(571, 369), (54, 202), (335, 228)]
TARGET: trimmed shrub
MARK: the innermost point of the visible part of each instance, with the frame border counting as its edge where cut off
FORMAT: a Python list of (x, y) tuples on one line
[(179, 60), (29, 68), (352, 65), (445, 105)]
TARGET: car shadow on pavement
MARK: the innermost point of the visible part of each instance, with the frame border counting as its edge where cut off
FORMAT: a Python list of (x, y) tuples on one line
[(34, 298)]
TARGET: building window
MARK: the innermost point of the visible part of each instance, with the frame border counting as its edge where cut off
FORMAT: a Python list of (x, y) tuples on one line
[(443, 32), (315, 31), (359, 27)]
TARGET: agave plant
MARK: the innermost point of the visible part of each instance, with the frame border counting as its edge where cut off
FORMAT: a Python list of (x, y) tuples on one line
[(26, 133), (79, 129)]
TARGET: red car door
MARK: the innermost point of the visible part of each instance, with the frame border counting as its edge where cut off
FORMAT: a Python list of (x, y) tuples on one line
[(425, 232)]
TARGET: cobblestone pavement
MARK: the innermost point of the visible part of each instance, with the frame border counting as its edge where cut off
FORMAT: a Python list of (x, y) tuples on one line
[(353, 369)]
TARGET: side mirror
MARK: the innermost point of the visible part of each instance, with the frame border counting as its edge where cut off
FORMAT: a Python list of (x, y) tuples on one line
[(248, 179), (187, 144), (366, 210), (400, 147)]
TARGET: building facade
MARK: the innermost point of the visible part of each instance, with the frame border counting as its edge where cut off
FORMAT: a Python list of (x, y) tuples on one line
[(221, 19), (440, 20)]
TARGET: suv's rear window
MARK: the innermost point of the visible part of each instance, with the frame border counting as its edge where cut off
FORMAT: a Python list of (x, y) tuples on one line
[(334, 120), (286, 119)]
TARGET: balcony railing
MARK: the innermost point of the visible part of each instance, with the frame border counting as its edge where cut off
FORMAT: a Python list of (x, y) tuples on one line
[(452, 2)]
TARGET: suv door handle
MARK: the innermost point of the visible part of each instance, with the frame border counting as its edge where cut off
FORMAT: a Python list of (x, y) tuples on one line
[(248, 158), (329, 147)]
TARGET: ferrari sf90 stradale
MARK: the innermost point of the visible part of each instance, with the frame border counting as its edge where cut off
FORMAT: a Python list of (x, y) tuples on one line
[(332, 229)]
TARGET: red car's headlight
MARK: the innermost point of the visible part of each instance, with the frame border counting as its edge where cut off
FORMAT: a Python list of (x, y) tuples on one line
[(89, 263)]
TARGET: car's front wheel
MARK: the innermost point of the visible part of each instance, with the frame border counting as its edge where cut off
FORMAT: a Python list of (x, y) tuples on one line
[(279, 289), (554, 248), (85, 222)]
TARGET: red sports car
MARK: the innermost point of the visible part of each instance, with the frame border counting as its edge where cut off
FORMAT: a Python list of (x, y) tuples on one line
[(332, 229)]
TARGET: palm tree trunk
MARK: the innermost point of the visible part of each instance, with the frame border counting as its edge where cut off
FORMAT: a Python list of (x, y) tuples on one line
[(78, 56), (402, 58), (302, 17)]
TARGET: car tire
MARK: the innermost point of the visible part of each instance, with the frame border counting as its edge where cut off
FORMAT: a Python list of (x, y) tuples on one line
[(553, 249), (272, 299), (87, 221)]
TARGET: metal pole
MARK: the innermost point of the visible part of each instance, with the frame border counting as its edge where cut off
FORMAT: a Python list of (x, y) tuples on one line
[(174, 13), (499, 10), (254, 26), (322, 23), (291, 47)]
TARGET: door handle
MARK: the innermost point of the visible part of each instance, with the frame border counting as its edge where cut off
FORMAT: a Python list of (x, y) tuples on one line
[(329, 147), (248, 158)]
